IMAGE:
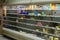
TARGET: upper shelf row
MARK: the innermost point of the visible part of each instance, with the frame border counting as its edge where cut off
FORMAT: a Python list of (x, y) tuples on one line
[(11, 2), (33, 7)]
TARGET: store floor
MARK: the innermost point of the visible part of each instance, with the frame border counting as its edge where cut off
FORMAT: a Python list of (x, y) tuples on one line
[(3, 38)]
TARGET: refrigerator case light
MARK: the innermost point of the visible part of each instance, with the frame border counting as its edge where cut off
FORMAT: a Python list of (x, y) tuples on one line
[(4, 10)]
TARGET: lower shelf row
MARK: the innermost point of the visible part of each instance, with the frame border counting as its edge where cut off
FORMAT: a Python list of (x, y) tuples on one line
[(31, 36), (45, 31)]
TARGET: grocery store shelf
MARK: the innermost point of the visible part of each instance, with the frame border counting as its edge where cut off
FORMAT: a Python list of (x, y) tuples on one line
[(22, 34), (39, 20), (30, 24), (10, 2), (45, 1), (32, 19), (9, 17), (36, 26), (16, 2), (13, 13), (35, 20), (48, 15), (36, 31), (47, 21), (34, 15), (10, 21), (43, 20), (42, 15)]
